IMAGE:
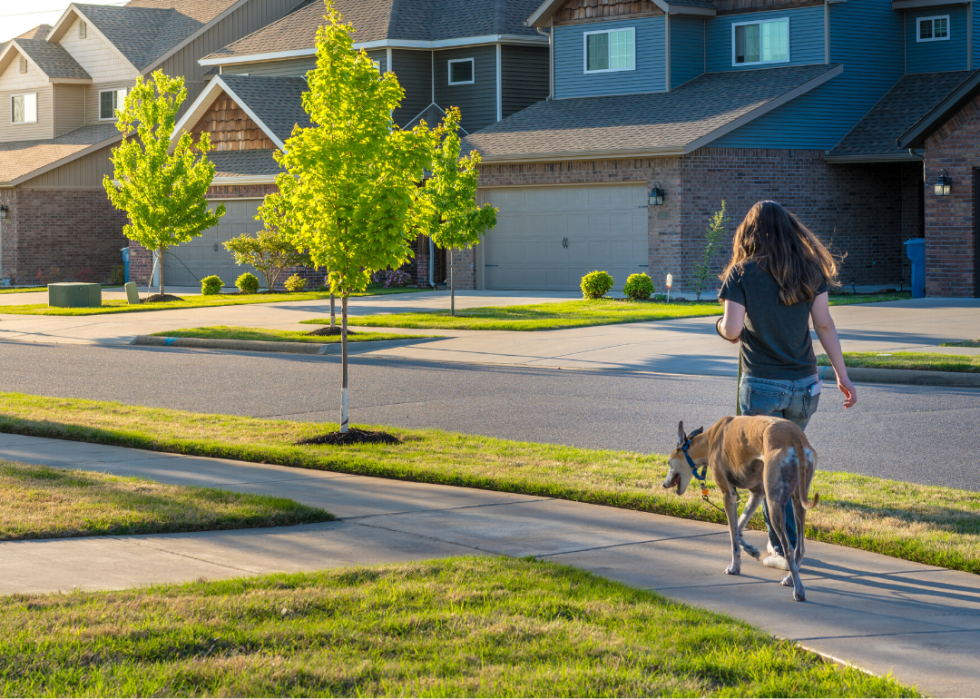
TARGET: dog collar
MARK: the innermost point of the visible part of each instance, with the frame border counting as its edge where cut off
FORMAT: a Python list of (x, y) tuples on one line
[(690, 462)]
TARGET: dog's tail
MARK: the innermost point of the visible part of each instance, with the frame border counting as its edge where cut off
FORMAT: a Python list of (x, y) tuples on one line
[(804, 484)]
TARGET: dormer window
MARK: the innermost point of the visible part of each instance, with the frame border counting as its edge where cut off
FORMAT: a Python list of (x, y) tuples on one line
[(82, 30), (23, 64), (109, 102), (932, 28), (462, 71), (760, 42), (23, 109), (610, 50)]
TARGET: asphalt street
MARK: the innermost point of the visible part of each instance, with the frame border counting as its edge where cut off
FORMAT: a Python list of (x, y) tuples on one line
[(920, 434)]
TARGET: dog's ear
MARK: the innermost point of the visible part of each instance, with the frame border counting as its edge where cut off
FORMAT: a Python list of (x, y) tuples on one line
[(681, 437), (695, 433)]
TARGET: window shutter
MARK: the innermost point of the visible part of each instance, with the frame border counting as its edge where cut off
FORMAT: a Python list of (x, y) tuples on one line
[(82, 30), (23, 65)]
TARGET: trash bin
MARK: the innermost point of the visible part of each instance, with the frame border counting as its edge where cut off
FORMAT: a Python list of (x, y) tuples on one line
[(915, 250), (125, 254)]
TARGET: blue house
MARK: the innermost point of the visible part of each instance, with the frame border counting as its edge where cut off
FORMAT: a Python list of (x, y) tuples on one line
[(800, 101)]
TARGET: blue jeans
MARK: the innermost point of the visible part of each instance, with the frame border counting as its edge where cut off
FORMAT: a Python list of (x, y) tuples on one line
[(787, 399)]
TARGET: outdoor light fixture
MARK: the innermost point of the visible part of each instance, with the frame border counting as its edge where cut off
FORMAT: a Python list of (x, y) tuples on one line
[(657, 195), (3, 210), (944, 183)]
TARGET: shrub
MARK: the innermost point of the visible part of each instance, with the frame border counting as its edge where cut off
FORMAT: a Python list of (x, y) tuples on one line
[(211, 285), (295, 283), (391, 277), (117, 275), (638, 287), (596, 284), (248, 283)]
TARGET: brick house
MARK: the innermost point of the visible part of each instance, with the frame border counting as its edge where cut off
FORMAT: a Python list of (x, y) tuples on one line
[(741, 100), (59, 87)]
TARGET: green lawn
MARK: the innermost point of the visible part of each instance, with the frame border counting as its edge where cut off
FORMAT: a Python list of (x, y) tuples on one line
[(931, 525), (121, 306), (226, 332), (460, 627), (39, 502), (927, 361), (963, 343), (24, 290), (849, 299)]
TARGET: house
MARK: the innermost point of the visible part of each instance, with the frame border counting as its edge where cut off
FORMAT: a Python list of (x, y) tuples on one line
[(477, 55), (844, 111), (60, 87)]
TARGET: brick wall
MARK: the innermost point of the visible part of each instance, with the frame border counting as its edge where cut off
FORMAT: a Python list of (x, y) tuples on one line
[(8, 235), (66, 235), (949, 224)]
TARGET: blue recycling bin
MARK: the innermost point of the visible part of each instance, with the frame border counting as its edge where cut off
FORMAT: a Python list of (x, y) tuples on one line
[(125, 254), (915, 250)]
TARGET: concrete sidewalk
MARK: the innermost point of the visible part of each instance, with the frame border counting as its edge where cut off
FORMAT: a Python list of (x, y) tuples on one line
[(882, 614)]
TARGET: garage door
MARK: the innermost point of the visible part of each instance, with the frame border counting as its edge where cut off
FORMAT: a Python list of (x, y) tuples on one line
[(549, 237), (188, 263)]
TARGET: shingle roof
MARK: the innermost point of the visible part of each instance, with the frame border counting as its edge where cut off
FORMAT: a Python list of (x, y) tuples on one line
[(243, 163), (145, 30), (52, 59), (20, 158), (905, 104), (277, 102), (374, 20), (38, 32), (601, 126)]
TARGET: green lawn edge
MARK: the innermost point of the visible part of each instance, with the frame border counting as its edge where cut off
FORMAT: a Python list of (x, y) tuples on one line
[(922, 361), (362, 464), (230, 332)]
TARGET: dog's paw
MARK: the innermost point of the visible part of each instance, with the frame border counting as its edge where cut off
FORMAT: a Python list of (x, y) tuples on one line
[(787, 581), (751, 550), (799, 596), (734, 569)]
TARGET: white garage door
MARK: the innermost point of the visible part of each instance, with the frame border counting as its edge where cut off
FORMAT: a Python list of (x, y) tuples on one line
[(188, 263), (550, 237)]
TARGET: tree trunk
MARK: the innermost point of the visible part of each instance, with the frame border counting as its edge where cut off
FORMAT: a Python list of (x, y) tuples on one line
[(160, 268), (343, 363), (333, 310), (452, 286)]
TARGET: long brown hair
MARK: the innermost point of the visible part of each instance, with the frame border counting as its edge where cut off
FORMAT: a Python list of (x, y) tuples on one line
[(775, 240)]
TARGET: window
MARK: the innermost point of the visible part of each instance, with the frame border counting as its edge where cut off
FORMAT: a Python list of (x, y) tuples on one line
[(82, 30), (23, 64), (932, 28), (610, 50), (461, 71), (23, 109), (760, 42), (110, 101)]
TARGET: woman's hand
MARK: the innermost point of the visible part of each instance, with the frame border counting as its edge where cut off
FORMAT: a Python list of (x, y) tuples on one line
[(845, 386)]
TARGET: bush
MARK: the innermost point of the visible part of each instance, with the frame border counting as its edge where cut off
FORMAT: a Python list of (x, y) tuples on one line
[(248, 283), (391, 277), (295, 283), (117, 275), (597, 284), (638, 287), (211, 285)]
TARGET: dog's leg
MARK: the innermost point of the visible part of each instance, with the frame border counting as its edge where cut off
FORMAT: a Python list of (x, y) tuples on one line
[(800, 513), (750, 507), (777, 519), (731, 511)]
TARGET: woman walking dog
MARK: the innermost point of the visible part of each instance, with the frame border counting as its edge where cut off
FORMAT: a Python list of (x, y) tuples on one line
[(775, 283)]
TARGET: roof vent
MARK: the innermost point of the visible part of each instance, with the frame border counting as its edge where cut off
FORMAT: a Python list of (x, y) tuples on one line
[(23, 64), (82, 30)]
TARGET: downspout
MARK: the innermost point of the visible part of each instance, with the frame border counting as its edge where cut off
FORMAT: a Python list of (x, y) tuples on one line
[(826, 32), (969, 34), (432, 264), (667, 51), (551, 58)]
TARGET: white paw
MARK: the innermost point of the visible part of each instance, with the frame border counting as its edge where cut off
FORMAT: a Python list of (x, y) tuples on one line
[(734, 569), (787, 581)]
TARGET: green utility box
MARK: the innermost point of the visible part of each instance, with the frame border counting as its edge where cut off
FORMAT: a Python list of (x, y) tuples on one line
[(75, 295)]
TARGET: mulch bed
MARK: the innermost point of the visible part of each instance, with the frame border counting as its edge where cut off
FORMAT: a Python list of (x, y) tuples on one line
[(328, 331), (161, 298), (352, 436)]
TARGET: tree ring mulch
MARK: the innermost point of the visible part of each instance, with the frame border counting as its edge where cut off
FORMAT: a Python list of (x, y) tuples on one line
[(161, 298), (352, 436), (329, 330)]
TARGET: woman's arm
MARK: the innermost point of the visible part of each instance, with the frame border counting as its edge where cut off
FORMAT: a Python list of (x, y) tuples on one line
[(827, 332), (730, 325)]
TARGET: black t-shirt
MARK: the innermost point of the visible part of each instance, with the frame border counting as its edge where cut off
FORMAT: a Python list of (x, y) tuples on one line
[(776, 340)]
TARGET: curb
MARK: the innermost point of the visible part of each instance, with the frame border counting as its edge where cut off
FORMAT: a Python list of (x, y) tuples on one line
[(912, 377), (308, 348)]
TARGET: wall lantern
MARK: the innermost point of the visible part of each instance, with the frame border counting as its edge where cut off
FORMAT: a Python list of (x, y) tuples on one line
[(657, 195), (3, 211), (944, 184)]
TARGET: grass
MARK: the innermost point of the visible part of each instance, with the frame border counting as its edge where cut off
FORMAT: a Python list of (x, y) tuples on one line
[(848, 299), (932, 525), (226, 332), (926, 361), (962, 343), (22, 290), (39, 502), (121, 306), (453, 627)]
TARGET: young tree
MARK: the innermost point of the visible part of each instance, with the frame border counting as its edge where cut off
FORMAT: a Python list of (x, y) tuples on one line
[(162, 192), (713, 235), (271, 251), (446, 210), (355, 173)]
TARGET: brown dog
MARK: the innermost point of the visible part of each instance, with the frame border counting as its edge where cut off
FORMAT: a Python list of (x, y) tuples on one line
[(761, 455)]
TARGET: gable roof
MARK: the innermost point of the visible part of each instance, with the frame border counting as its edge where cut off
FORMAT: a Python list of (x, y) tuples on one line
[(542, 14), (22, 160), (386, 21), (645, 125), (39, 32), (946, 109), (51, 59), (875, 137), (237, 166)]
